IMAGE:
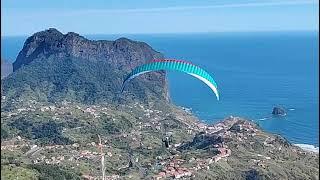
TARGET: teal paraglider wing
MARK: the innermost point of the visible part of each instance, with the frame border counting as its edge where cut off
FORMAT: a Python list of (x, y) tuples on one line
[(174, 65)]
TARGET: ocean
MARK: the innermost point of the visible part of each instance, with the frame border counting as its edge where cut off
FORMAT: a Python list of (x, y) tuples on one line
[(254, 73)]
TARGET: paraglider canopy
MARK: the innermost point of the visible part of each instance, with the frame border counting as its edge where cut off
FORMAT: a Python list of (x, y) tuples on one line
[(175, 65)]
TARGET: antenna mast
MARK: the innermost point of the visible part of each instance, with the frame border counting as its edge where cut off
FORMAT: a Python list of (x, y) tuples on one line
[(102, 159)]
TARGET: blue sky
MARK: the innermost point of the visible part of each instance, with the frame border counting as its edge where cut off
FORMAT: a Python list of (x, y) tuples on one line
[(20, 17)]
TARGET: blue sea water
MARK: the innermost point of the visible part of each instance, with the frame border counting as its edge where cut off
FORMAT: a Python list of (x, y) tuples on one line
[(254, 73)]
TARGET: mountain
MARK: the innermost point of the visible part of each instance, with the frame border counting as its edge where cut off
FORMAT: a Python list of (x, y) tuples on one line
[(6, 68), (53, 67)]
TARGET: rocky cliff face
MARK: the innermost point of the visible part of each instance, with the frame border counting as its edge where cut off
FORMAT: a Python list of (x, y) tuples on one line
[(122, 53), (72, 63)]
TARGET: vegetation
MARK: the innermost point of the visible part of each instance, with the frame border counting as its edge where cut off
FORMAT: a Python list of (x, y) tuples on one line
[(4, 133), (55, 80), (44, 132), (13, 172), (52, 172)]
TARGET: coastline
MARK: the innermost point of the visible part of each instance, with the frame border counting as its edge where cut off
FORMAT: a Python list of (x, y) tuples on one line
[(308, 147)]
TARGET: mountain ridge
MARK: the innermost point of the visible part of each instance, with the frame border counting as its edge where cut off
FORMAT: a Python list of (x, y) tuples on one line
[(102, 65)]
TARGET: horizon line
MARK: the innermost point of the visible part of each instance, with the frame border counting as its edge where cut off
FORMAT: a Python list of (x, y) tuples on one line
[(174, 33)]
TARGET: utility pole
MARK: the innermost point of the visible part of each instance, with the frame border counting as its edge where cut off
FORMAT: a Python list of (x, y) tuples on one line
[(131, 160), (166, 138), (102, 159)]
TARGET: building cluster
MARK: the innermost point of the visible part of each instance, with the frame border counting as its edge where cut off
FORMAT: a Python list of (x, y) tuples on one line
[(173, 169)]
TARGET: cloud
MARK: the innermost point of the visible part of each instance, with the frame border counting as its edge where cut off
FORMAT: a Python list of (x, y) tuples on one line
[(230, 5), (76, 12)]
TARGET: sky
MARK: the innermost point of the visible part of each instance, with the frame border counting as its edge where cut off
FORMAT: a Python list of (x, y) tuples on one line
[(20, 17)]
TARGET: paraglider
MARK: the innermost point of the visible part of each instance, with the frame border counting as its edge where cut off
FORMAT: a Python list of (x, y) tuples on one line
[(175, 65)]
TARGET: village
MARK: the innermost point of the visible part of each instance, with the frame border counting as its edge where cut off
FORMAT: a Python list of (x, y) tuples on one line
[(173, 166)]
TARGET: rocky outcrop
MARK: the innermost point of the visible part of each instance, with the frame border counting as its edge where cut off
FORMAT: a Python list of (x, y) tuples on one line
[(280, 111), (122, 53), (203, 141), (71, 65)]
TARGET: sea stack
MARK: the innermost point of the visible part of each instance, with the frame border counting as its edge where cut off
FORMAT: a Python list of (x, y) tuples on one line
[(279, 111)]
